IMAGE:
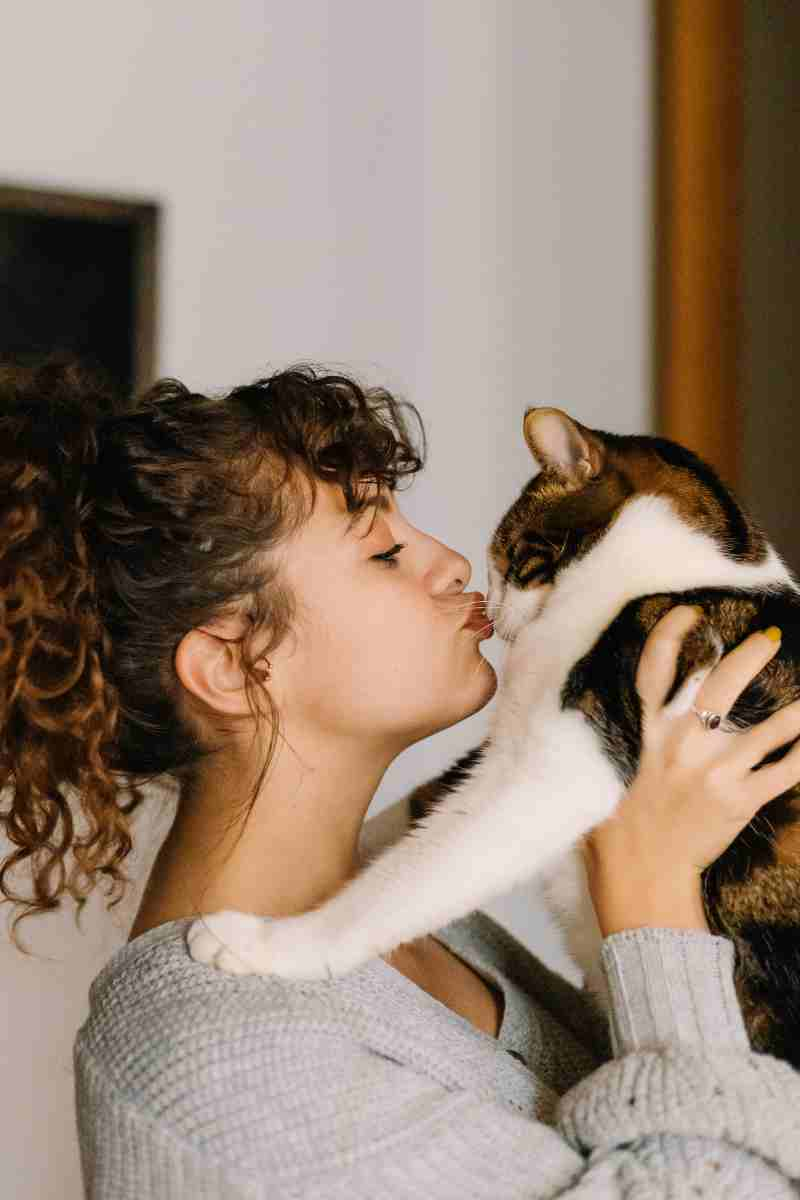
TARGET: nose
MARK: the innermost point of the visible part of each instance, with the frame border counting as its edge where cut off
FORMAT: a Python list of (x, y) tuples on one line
[(447, 570), (463, 569), (452, 574)]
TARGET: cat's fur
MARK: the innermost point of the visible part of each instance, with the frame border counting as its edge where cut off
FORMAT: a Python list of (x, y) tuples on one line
[(613, 532)]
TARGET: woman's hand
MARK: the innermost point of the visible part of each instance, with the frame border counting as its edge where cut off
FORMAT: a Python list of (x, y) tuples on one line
[(695, 789)]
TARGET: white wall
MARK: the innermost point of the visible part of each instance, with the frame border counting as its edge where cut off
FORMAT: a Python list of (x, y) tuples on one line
[(450, 198)]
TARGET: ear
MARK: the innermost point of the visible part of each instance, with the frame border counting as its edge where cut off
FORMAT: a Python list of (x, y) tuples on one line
[(562, 445), (207, 665)]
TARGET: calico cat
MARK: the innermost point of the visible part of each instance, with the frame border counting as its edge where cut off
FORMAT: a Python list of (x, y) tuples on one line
[(612, 532)]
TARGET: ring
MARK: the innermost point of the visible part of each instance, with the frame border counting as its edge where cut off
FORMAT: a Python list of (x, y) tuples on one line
[(708, 719), (714, 720)]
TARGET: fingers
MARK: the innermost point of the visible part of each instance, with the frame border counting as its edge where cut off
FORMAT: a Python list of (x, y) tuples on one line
[(769, 782), (734, 672), (768, 735), (658, 660)]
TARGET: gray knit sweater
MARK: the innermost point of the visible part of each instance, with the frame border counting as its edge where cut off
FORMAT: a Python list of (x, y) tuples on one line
[(195, 1084)]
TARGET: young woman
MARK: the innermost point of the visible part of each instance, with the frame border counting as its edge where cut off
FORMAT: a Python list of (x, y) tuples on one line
[(225, 590)]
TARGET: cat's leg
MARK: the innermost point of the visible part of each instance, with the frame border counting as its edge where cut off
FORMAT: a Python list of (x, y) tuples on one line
[(565, 890), (502, 825)]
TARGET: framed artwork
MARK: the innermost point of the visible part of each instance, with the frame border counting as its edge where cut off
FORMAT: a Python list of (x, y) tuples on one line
[(78, 273)]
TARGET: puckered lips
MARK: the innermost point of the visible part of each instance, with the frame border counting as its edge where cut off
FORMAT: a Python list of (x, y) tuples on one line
[(476, 617)]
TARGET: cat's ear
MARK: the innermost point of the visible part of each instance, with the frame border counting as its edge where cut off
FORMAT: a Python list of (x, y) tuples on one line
[(562, 445)]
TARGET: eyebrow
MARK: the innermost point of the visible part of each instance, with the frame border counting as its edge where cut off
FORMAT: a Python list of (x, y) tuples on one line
[(381, 502)]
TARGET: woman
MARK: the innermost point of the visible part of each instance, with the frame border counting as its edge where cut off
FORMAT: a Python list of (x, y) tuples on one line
[(256, 617)]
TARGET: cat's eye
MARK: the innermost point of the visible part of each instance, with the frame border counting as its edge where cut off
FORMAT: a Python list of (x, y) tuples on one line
[(529, 560), (526, 549)]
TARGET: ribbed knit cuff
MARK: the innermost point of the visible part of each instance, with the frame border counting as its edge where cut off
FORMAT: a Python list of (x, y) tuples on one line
[(747, 1099), (671, 985)]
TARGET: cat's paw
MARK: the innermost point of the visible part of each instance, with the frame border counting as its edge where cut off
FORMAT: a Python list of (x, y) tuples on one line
[(227, 940), (244, 944)]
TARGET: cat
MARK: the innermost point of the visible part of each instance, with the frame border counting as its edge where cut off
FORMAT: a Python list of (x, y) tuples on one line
[(611, 533)]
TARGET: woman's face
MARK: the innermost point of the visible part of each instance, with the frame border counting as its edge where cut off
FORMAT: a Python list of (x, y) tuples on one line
[(378, 651)]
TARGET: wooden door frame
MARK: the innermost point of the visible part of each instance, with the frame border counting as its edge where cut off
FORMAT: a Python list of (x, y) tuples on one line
[(698, 236)]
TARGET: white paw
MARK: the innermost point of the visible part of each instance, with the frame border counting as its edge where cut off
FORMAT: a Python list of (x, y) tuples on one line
[(244, 944)]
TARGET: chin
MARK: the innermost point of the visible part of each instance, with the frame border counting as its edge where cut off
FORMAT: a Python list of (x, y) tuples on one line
[(488, 685), (488, 676)]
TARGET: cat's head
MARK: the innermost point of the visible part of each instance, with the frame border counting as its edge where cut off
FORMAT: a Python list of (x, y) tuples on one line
[(587, 477)]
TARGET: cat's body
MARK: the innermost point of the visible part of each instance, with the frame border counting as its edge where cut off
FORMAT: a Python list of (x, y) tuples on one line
[(651, 526)]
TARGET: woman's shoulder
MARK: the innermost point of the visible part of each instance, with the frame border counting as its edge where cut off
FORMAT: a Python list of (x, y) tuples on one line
[(152, 989), (153, 1001), (306, 1084), (151, 996), (177, 1041)]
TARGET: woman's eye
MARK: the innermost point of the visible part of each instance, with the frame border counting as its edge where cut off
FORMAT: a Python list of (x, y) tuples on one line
[(388, 555)]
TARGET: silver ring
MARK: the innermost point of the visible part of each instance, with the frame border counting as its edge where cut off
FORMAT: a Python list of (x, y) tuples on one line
[(708, 719), (714, 720)]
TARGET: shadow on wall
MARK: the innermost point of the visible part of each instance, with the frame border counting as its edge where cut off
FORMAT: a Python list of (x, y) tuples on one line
[(770, 362)]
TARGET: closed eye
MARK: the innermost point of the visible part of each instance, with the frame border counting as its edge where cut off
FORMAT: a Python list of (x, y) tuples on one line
[(388, 556), (529, 561)]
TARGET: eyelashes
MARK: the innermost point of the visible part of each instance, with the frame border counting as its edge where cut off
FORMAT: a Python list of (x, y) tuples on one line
[(388, 555)]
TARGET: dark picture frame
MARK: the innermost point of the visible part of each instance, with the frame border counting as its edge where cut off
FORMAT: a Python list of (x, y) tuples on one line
[(78, 273)]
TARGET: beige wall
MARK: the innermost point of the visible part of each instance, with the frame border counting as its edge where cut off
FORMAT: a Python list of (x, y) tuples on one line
[(450, 197)]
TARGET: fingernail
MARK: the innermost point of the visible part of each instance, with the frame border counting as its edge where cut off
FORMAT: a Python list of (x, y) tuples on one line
[(773, 633)]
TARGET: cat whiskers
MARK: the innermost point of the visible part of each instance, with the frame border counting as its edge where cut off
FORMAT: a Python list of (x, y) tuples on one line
[(487, 606), (474, 604), (758, 820)]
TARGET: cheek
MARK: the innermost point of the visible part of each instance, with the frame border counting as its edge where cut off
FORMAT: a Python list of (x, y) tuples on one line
[(400, 643), (368, 641), (379, 633), (393, 630)]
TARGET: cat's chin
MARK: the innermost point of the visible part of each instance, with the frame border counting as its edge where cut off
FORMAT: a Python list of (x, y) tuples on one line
[(521, 613), (508, 633), (509, 636)]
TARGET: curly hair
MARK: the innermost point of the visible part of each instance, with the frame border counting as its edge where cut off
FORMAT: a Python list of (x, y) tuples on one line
[(124, 524)]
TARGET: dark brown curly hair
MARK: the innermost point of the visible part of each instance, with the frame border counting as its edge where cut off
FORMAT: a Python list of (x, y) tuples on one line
[(123, 526)]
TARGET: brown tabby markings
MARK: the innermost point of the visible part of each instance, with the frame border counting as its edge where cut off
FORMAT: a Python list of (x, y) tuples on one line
[(696, 504), (552, 507), (769, 897)]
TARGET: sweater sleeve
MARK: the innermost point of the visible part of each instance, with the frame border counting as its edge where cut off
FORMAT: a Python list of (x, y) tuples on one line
[(671, 985), (326, 1117)]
